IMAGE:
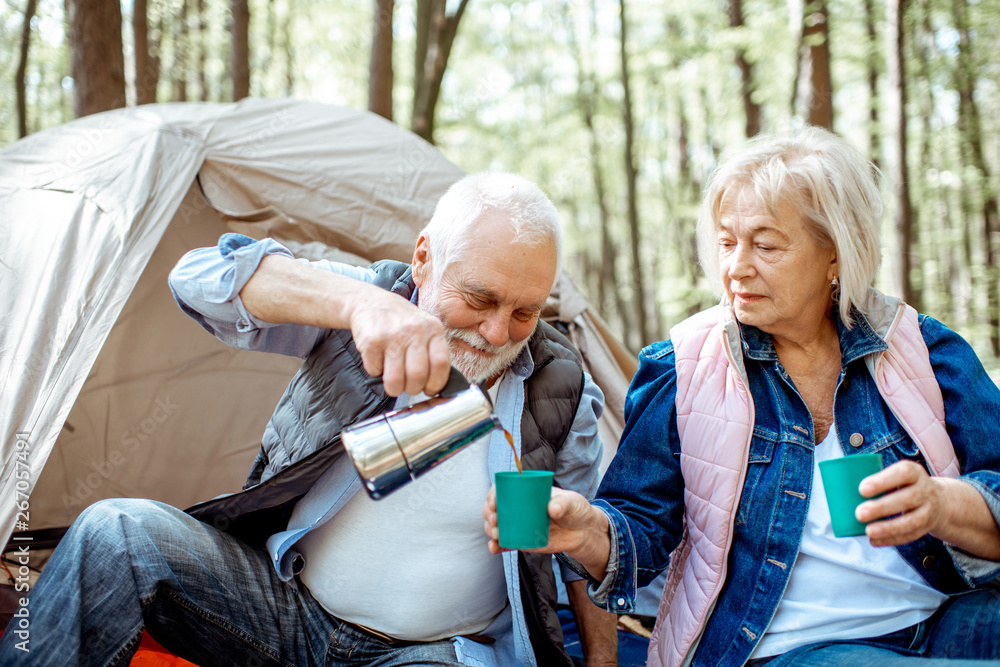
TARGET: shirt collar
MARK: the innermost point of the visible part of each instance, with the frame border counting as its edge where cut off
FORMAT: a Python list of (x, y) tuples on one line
[(523, 365)]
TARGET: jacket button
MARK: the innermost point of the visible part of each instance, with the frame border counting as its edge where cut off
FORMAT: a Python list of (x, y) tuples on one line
[(857, 439), (929, 562)]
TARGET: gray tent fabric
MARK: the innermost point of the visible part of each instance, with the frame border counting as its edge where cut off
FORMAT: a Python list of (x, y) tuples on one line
[(106, 388)]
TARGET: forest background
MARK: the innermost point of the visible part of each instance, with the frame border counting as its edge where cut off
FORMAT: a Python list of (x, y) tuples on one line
[(618, 109)]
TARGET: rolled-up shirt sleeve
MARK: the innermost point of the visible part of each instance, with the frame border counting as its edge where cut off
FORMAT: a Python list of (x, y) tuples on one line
[(206, 284)]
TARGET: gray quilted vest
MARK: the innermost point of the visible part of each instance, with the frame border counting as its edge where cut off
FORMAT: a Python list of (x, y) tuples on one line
[(332, 390)]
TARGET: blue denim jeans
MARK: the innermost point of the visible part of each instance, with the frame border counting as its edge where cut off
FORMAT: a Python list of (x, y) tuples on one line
[(964, 631), (126, 565)]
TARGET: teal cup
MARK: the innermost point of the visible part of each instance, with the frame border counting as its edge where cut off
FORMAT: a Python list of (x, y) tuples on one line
[(523, 508), (841, 478)]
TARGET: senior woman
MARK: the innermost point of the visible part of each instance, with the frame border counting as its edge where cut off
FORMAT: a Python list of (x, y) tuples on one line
[(803, 361)]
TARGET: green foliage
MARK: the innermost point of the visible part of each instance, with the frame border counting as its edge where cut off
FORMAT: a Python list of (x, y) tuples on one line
[(48, 92), (523, 73)]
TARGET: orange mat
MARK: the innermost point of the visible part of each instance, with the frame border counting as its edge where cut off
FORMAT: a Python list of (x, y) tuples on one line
[(151, 654)]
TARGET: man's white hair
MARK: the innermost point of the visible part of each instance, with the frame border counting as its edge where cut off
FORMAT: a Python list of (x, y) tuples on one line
[(832, 185), (491, 197)]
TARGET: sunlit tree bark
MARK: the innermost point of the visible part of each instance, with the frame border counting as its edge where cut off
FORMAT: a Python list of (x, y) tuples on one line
[(751, 109), (689, 189), (436, 42), (631, 176), (874, 144), (970, 125), (813, 91), (181, 42), (140, 39), (97, 63), (147, 59), (289, 52), (22, 67), (609, 297), (905, 230), (933, 234), (270, 37), (422, 30), (241, 48), (202, 41), (380, 67)]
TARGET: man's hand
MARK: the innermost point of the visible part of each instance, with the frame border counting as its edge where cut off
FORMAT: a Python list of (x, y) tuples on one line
[(397, 340), (916, 504), (575, 528), (402, 343)]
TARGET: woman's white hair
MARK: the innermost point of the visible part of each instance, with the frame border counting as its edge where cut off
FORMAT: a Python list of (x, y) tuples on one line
[(491, 196), (833, 186)]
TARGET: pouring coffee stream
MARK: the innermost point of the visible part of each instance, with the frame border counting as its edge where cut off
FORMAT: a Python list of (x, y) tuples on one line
[(517, 459), (391, 449)]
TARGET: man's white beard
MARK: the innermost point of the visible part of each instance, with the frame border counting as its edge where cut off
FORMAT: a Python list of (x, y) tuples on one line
[(475, 367)]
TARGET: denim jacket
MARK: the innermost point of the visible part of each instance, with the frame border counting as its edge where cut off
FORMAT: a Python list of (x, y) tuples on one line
[(643, 491)]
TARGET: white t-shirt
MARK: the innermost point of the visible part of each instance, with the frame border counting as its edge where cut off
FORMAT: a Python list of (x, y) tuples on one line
[(843, 587), (414, 564)]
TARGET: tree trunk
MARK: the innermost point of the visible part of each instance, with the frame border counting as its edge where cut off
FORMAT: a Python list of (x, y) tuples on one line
[(813, 93), (202, 41), (933, 240), (97, 63), (690, 188), (241, 48), (380, 69), (153, 75), (440, 37), (874, 147), (289, 53), (605, 274), (267, 61), (905, 231), (180, 69), (147, 66), (140, 40), (971, 129), (22, 68), (631, 175), (608, 284), (750, 108), (424, 11)]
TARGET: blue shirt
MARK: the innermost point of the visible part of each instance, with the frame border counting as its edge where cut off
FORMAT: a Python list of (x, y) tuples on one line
[(642, 491), (207, 282)]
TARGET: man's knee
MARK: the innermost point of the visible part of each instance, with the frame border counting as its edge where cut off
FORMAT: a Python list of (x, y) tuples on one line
[(114, 518)]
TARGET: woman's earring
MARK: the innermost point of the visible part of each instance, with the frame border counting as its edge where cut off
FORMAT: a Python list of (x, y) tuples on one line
[(835, 283)]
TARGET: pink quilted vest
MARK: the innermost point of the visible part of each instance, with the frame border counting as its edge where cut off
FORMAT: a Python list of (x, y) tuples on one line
[(715, 417)]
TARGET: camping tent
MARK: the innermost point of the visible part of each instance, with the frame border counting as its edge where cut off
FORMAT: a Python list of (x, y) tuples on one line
[(106, 388)]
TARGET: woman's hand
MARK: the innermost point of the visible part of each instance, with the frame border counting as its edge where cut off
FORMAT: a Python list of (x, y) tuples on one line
[(575, 528), (916, 504)]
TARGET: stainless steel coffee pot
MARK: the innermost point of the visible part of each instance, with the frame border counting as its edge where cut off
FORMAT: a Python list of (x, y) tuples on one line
[(393, 448)]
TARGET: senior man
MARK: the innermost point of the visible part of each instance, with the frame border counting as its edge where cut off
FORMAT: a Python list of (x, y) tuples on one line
[(344, 579)]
